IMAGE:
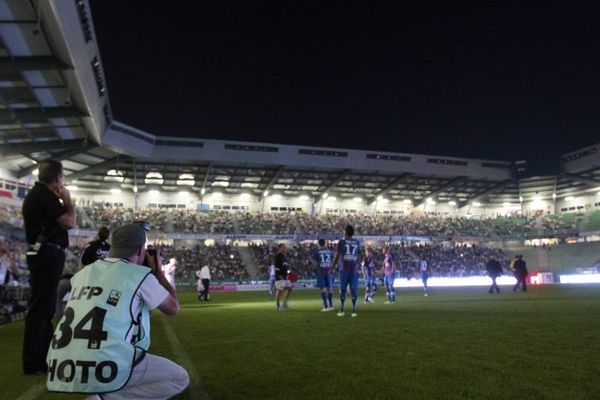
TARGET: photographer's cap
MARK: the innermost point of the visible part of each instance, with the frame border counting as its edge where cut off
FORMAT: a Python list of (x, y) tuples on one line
[(126, 240)]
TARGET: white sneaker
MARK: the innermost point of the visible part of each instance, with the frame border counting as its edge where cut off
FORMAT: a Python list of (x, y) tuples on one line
[(354, 315), (371, 300), (325, 309), (330, 309), (340, 314)]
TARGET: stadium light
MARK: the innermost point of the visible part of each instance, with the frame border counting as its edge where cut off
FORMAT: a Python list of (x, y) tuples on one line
[(357, 199), (520, 199), (407, 201), (476, 204), (265, 193), (325, 195), (554, 196), (153, 178), (186, 180), (135, 189), (304, 197), (202, 191), (452, 203)]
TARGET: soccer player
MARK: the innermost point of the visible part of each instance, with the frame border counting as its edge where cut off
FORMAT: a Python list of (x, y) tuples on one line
[(282, 283), (323, 257), (348, 251), (389, 273), (271, 272), (424, 271), (368, 269)]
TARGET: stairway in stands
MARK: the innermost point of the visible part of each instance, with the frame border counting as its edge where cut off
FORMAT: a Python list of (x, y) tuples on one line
[(245, 253), (542, 254)]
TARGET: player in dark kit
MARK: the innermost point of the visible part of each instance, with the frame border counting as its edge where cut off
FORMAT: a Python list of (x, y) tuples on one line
[(368, 267), (98, 248), (348, 251), (323, 257)]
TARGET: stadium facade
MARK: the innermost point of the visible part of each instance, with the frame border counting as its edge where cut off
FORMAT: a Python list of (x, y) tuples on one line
[(56, 105)]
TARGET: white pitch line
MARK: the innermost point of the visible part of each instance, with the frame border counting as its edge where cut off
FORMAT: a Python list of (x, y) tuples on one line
[(33, 392), (196, 391)]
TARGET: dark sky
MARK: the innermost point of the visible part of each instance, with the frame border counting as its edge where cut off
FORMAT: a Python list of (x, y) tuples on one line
[(503, 80)]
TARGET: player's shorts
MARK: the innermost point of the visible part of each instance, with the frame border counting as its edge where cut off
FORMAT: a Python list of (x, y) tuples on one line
[(348, 278), (283, 284), (323, 281), (424, 276), (388, 280), (370, 281)]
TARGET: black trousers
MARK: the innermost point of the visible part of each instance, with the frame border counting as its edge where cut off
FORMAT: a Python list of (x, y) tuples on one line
[(522, 281), (206, 284), (494, 285), (45, 270)]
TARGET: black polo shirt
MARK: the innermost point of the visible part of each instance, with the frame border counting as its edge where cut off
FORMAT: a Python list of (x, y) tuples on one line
[(41, 209), (281, 266), (95, 250)]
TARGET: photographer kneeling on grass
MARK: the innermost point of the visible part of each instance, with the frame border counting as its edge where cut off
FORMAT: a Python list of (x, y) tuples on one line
[(100, 345)]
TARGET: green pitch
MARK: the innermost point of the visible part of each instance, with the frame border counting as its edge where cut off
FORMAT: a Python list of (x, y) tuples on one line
[(459, 343)]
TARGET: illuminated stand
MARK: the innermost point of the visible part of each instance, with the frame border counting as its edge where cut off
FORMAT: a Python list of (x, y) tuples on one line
[(580, 278), (445, 282)]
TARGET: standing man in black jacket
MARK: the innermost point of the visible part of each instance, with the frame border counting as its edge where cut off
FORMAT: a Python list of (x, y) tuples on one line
[(520, 273), (48, 214), (494, 270)]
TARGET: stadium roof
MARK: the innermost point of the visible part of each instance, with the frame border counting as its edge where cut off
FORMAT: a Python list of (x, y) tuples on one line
[(54, 104)]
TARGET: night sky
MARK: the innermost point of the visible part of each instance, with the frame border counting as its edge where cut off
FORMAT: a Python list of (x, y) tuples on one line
[(503, 80)]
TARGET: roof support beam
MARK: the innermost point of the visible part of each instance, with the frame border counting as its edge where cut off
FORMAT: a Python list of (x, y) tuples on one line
[(36, 114), (487, 192), (274, 178), (34, 63), (41, 146), (205, 180), (389, 187), (110, 163), (578, 178), (450, 183), (23, 172), (337, 180)]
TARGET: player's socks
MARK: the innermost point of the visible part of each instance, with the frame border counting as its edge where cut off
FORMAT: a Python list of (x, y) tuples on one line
[(330, 298), (324, 298)]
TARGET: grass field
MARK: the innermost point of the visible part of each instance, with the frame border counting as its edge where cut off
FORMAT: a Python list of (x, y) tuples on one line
[(459, 343)]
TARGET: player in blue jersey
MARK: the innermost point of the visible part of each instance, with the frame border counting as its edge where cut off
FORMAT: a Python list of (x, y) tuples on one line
[(324, 257), (271, 272), (368, 269), (389, 273), (347, 254)]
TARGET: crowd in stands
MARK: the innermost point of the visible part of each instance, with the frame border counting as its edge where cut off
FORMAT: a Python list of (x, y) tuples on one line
[(220, 222), (223, 260)]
